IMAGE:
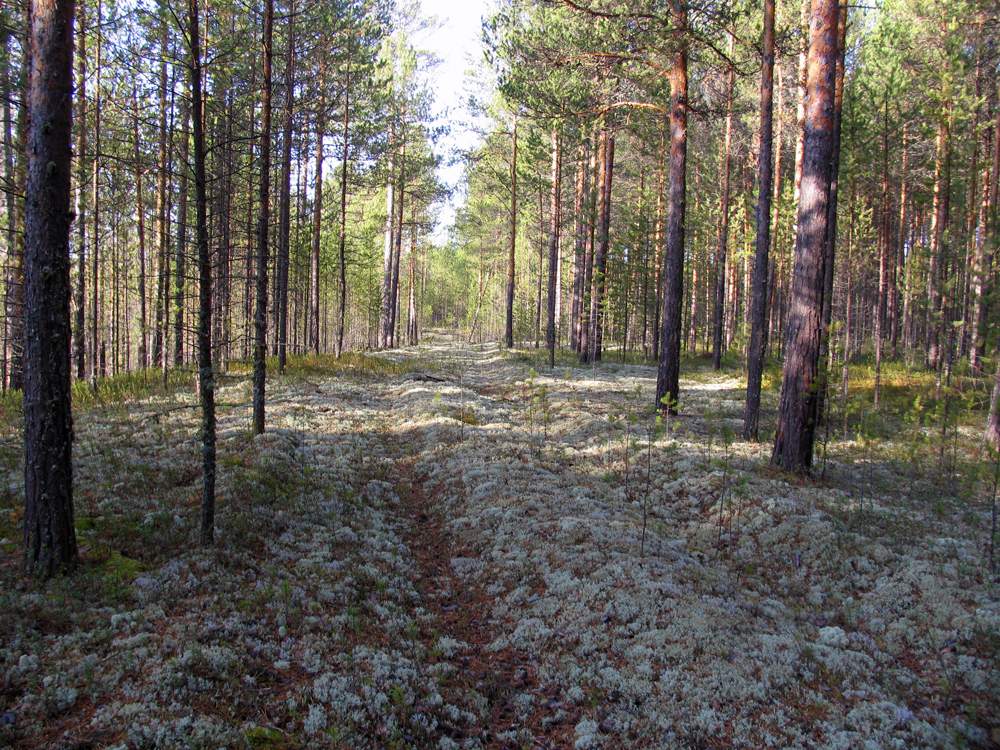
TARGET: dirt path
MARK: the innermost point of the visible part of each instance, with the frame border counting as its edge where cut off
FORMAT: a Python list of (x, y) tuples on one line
[(463, 610)]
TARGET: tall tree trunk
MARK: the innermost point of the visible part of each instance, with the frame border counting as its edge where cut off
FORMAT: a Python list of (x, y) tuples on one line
[(556, 190), (508, 336), (800, 111), (722, 249), (411, 307), (900, 257), (206, 379), (95, 320), (668, 371), (285, 198), (774, 296), (658, 244), (398, 251), (180, 251), (14, 295), (162, 212), (49, 534), (263, 227), (939, 219), (225, 283), (317, 221), (541, 264), (342, 243), (793, 447), (881, 304), (588, 261), (984, 229), (80, 337), (598, 303), (758, 311), (579, 245), (830, 246), (385, 312), (140, 210)]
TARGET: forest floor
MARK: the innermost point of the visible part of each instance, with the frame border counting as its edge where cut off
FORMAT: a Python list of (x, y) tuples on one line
[(440, 547)]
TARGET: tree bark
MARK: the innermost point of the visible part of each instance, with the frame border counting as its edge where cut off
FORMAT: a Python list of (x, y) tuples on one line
[(599, 281), (317, 219), (385, 314), (49, 534), (206, 379), (579, 246), (342, 249), (881, 305), (398, 250), (180, 249), (411, 306), (80, 337), (508, 336), (95, 320), (939, 219), (723, 245), (830, 246), (758, 311), (285, 198), (993, 419), (658, 244), (900, 259), (263, 226), (162, 212), (668, 371), (140, 210), (793, 446), (556, 190), (984, 229)]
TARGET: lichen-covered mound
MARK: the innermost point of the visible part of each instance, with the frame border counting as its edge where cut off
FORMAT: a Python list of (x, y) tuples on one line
[(445, 549)]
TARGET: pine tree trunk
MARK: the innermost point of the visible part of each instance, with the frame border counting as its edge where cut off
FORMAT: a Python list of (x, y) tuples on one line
[(49, 534), (80, 337), (993, 419), (588, 261), (508, 336), (579, 246), (938, 220), (896, 317), (342, 243), (206, 379), (140, 210), (556, 190), (398, 250), (316, 224), (180, 250), (162, 211), (793, 447), (541, 265), (598, 291), (285, 198), (658, 245), (668, 370), (263, 227), (723, 245), (224, 287), (411, 306), (825, 362), (95, 320), (881, 305), (385, 313), (984, 228), (758, 311)]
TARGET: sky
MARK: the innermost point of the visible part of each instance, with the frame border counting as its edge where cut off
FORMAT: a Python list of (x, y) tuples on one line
[(456, 40)]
